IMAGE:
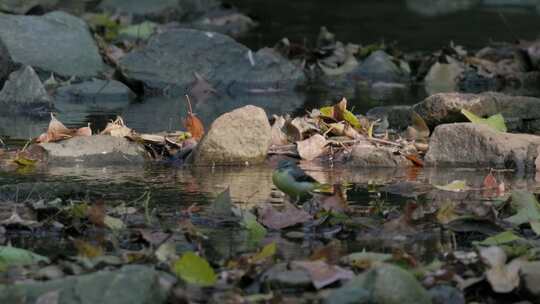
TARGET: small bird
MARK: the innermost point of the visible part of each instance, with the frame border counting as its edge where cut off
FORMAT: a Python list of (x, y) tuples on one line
[(293, 181)]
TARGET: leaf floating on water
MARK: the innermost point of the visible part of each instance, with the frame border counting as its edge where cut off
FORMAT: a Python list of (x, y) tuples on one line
[(193, 124), (455, 186), (496, 121), (195, 270)]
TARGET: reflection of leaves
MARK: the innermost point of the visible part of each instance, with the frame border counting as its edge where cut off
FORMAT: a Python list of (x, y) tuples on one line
[(290, 216), (495, 122), (194, 270)]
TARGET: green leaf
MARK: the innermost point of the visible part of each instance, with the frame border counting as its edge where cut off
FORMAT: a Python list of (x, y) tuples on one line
[(222, 206), (496, 121), (256, 231), (11, 256), (139, 31), (194, 270), (113, 223), (500, 239), (268, 251), (361, 259), (455, 186), (526, 206)]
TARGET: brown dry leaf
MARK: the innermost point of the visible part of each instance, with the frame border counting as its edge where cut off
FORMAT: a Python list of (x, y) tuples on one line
[(117, 128), (312, 147), (323, 274), (418, 129), (56, 131), (84, 131), (96, 213), (330, 253), (278, 136), (415, 160), (290, 216), (299, 127), (490, 186), (193, 124)]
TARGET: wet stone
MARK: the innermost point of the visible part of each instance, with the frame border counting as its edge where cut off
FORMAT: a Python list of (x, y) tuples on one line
[(95, 91)]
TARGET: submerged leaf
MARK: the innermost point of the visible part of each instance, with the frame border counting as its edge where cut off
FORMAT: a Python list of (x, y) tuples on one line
[(496, 121), (290, 216), (500, 239), (12, 256), (194, 270)]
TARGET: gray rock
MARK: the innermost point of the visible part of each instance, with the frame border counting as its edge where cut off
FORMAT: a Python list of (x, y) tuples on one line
[(522, 114), (470, 145), (432, 8), (95, 91), (530, 273), (446, 294), (158, 10), (55, 42), (97, 150), (23, 93), (6, 64), (380, 67), (280, 275), (23, 7), (130, 284), (238, 137), (166, 65), (399, 117), (386, 284), (367, 155)]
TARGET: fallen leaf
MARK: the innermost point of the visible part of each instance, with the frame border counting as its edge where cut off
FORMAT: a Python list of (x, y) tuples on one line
[(113, 223), (312, 147), (96, 213), (166, 252), (330, 253), (139, 31), (87, 250), (323, 274), (221, 208), (194, 270), (490, 182), (266, 252), (364, 260), (455, 186), (447, 213), (500, 239), (496, 121), (12, 256), (290, 216), (117, 128), (84, 131), (527, 210), (15, 219), (502, 277), (193, 124), (339, 112), (56, 131)]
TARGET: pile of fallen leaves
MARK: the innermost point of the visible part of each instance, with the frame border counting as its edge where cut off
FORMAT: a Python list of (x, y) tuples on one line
[(325, 132)]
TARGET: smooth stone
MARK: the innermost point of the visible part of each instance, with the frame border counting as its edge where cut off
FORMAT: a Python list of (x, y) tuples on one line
[(55, 42), (367, 155)]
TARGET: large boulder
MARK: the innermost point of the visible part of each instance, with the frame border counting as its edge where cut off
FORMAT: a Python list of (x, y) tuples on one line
[(471, 145), (97, 150), (55, 42), (158, 10), (168, 63), (6, 64), (23, 93), (23, 7), (95, 91), (522, 114), (238, 137), (132, 284)]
